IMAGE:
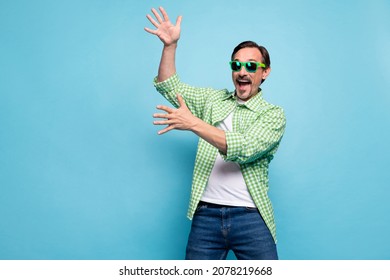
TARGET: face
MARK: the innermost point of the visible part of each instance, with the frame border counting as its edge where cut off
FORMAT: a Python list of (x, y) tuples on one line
[(246, 83)]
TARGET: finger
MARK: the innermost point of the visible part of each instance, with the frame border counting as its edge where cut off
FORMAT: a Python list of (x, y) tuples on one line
[(182, 103), (165, 108), (178, 21), (160, 116), (165, 130), (164, 14), (151, 19), (151, 31), (157, 15), (165, 122)]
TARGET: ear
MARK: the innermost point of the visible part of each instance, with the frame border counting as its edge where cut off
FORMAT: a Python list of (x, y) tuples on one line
[(266, 72)]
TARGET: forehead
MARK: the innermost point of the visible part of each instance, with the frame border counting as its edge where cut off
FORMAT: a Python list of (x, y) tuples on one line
[(248, 54)]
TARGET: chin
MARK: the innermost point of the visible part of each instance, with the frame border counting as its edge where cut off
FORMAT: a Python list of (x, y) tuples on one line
[(243, 95)]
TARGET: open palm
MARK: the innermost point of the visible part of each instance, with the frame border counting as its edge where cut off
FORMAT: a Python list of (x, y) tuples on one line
[(167, 32)]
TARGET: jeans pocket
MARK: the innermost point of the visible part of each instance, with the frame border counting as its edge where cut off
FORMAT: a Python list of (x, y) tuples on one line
[(251, 209), (200, 207)]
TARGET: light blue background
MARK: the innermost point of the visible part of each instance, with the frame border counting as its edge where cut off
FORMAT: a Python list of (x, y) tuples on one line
[(84, 175)]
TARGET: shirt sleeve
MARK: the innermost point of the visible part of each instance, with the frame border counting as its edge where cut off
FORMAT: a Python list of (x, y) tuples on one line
[(195, 97), (168, 88), (260, 140)]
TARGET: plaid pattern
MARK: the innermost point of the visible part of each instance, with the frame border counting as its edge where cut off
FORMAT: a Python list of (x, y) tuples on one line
[(258, 128)]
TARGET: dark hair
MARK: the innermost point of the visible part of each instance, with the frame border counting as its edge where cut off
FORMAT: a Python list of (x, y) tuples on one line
[(251, 44)]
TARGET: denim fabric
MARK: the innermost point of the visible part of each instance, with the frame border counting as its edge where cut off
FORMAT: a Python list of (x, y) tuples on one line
[(216, 230)]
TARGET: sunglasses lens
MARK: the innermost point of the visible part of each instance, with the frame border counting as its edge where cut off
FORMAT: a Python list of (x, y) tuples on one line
[(251, 67), (235, 65)]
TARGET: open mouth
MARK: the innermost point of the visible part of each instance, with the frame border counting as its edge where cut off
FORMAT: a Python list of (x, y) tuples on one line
[(243, 82)]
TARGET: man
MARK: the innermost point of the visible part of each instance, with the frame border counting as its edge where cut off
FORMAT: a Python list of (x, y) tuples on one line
[(239, 134)]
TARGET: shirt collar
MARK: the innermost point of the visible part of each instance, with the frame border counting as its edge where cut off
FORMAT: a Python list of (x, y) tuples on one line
[(229, 94), (254, 104)]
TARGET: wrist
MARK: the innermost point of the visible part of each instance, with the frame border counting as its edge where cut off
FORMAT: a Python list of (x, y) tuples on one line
[(171, 46), (196, 125)]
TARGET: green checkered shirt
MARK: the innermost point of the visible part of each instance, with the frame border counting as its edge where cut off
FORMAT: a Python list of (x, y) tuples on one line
[(258, 127)]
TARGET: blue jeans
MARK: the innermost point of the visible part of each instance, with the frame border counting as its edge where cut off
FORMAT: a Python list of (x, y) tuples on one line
[(216, 230)]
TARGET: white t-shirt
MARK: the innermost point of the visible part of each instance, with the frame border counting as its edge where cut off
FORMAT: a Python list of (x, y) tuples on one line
[(226, 185)]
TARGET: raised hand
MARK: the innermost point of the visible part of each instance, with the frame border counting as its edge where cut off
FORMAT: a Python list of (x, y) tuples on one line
[(168, 33)]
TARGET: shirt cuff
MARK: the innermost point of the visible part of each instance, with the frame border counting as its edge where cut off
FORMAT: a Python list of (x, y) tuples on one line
[(234, 146), (168, 84)]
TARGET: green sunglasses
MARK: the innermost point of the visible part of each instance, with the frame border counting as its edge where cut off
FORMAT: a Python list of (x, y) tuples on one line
[(250, 66)]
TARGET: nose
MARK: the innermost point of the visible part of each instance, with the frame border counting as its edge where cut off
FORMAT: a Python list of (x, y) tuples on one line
[(242, 71)]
